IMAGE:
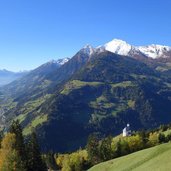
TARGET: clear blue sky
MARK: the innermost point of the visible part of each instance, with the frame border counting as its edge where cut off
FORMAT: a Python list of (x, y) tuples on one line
[(35, 31)]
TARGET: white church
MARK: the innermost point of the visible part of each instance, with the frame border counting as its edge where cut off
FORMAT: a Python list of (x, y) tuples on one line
[(127, 131)]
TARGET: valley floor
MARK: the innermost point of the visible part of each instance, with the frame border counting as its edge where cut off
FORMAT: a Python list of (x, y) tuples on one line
[(157, 158)]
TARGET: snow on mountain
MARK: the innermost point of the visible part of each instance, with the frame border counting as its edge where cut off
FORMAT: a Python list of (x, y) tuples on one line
[(88, 49), (60, 61), (117, 46), (123, 48), (155, 51)]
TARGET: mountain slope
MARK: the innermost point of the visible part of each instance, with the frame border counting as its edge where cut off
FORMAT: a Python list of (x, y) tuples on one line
[(156, 56), (35, 80), (25, 95), (152, 159), (102, 97), (95, 91)]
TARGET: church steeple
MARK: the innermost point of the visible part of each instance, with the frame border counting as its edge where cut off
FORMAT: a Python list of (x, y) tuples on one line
[(127, 131)]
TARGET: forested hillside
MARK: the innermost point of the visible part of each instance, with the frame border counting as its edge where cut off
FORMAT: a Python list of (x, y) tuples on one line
[(98, 93)]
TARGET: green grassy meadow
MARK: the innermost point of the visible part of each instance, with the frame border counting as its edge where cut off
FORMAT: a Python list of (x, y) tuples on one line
[(157, 158)]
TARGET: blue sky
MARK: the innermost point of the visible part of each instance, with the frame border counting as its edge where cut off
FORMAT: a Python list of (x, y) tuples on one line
[(35, 31)]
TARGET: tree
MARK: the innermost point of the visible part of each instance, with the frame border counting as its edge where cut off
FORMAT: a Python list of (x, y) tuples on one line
[(118, 151), (35, 161), (125, 149), (1, 135), (105, 150), (161, 138), (76, 161), (10, 160), (135, 143), (168, 137), (153, 139), (163, 128), (66, 164), (144, 138), (19, 145), (50, 161), (92, 149)]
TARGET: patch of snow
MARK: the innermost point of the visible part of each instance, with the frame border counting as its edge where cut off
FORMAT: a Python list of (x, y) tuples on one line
[(60, 61), (88, 49)]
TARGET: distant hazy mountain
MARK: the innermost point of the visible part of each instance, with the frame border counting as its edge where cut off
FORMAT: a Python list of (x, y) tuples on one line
[(7, 76)]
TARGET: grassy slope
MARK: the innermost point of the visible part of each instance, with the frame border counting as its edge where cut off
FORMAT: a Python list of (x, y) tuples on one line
[(153, 159)]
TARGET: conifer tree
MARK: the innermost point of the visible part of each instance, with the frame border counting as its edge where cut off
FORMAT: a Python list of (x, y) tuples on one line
[(19, 145), (92, 149), (105, 149), (35, 161), (162, 138)]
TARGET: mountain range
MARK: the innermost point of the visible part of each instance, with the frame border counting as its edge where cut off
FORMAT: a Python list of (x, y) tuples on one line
[(123, 48), (97, 90)]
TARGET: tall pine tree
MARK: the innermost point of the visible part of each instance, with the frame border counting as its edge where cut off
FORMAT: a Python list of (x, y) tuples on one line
[(93, 149), (19, 145), (35, 161)]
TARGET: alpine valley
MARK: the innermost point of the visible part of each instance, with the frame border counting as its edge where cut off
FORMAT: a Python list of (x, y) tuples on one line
[(7, 76), (97, 90)]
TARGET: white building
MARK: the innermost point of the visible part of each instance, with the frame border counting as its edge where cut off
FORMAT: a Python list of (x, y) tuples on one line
[(127, 131)]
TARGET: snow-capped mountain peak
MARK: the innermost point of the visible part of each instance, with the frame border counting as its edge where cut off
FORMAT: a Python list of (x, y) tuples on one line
[(123, 48), (117, 46), (155, 51)]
